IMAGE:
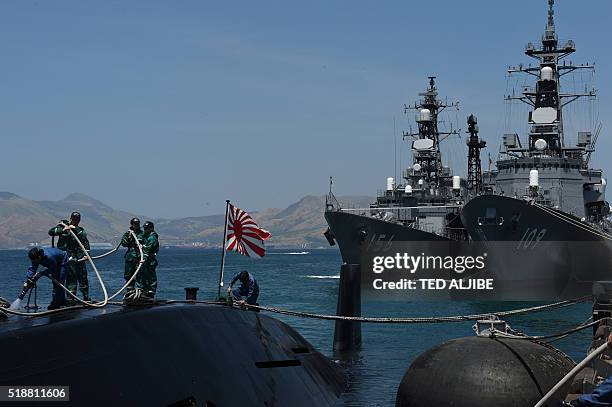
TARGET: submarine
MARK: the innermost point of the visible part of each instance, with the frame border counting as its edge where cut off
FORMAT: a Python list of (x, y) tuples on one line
[(168, 353)]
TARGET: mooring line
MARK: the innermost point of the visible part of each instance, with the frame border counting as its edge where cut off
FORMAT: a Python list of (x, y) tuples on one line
[(421, 320)]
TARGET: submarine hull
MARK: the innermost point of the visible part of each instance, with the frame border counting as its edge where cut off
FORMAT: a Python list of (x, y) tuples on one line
[(168, 355)]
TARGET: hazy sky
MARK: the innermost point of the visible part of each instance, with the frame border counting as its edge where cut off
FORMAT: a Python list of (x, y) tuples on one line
[(169, 108)]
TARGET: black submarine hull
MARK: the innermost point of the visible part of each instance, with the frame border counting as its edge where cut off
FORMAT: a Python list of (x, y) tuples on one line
[(538, 253), (167, 355)]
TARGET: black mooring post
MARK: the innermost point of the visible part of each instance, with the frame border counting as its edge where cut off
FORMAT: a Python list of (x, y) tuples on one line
[(347, 334), (191, 293)]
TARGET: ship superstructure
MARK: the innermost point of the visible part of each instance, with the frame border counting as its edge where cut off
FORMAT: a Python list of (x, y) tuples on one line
[(543, 166), (544, 197), (423, 206)]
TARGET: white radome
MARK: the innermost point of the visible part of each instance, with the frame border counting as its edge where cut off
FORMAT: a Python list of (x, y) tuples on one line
[(425, 115), (534, 178), (390, 183), (456, 182), (540, 144), (546, 73)]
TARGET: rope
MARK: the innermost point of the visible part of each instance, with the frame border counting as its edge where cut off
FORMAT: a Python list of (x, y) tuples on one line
[(419, 320), (118, 291), (41, 313), (93, 265), (564, 336), (102, 255), (572, 373), (579, 328), (137, 269), (86, 304)]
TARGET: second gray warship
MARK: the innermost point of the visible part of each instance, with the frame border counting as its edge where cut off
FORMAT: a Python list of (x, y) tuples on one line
[(543, 216)]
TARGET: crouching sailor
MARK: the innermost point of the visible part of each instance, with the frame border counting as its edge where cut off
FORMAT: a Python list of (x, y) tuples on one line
[(56, 263), (248, 290), (132, 255), (146, 280)]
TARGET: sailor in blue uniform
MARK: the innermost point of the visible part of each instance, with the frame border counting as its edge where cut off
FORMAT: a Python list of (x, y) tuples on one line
[(56, 263), (248, 290), (601, 396)]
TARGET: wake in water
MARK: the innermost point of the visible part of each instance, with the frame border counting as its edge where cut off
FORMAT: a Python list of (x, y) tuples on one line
[(15, 305), (326, 277), (291, 253)]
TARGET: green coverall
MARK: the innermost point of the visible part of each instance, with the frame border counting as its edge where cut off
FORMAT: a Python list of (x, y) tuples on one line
[(146, 280), (77, 272), (132, 255)]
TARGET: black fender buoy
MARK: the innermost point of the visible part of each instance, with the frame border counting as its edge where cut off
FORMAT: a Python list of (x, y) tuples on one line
[(484, 372)]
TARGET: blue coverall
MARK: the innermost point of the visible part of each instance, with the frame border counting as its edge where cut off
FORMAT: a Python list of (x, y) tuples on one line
[(601, 396), (247, 292), (56, 263)]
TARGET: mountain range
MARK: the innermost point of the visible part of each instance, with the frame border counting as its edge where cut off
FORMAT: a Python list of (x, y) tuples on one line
[(24, 221)]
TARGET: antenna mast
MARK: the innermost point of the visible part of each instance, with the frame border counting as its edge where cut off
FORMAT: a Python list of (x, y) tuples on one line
[(474, 180)]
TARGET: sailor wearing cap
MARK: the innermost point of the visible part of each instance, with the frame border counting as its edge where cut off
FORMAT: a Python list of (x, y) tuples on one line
[(77, 271), (248, 290), (132, 255), (146, 280)]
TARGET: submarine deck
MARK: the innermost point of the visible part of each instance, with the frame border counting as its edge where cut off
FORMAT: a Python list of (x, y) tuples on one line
[(168, 353)]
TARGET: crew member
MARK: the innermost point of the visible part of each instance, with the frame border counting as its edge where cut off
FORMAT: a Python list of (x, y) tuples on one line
[(146, 280), (601, 396), (77, 271), (248, 290), (56, 263), (132, 255)]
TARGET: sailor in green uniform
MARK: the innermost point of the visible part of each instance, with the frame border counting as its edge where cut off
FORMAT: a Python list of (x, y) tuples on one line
[(132, 255), (77, 272), (146, 280)]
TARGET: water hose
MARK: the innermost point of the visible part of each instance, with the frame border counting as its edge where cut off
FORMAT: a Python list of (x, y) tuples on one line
[(137, 269), (102, 255), (572, 373), (93, 265)]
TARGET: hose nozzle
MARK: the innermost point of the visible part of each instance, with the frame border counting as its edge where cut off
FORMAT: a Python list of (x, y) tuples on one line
[(28, 284)]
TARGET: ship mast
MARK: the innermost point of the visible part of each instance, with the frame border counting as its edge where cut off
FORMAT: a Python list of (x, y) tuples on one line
[(546, 135), (427, 158), (474, 180)]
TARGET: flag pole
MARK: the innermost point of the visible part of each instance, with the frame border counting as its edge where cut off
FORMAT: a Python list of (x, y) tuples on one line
[(223, 248)]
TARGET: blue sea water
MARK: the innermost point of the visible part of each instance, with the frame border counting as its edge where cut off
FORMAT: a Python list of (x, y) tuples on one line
[(309, 283)]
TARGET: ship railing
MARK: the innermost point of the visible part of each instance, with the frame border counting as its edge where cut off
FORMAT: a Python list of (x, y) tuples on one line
[(455, 233), (392, 208), (331, 203), (404, 214)]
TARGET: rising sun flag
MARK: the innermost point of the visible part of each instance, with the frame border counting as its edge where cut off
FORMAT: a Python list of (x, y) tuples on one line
[(243, 234)]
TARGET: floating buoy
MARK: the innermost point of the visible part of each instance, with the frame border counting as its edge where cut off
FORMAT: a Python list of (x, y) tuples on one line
[(483, 371)]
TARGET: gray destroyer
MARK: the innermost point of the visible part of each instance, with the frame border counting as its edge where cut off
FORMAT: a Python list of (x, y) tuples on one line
[(543, 216), (423, 207)]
